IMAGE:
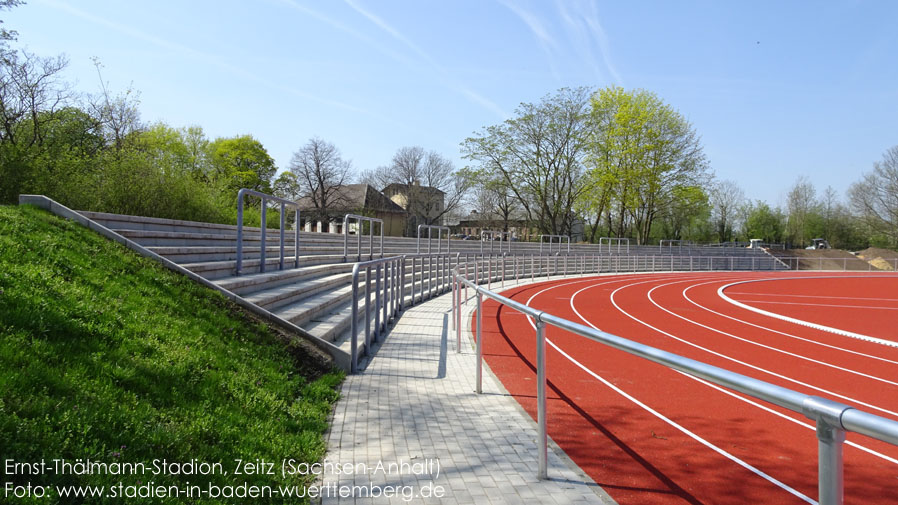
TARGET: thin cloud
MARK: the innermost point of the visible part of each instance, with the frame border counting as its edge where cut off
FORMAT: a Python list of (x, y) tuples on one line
[(448, 80), (581, 33), (197, 55), (586, 28), (592, 20), (548, 43), (533, 22), (346, 29)]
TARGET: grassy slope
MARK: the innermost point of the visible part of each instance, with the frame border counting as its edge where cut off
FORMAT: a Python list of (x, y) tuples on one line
[(108, 356)]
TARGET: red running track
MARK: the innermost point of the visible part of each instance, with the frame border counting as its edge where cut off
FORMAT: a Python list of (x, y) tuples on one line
[(648, 434)]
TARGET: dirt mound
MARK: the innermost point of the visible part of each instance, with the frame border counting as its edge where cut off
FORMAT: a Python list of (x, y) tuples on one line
[(822, 259), (883, 259), (876, 252)]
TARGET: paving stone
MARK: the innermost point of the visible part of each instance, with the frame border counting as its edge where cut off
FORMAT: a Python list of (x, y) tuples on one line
[(414, 406)]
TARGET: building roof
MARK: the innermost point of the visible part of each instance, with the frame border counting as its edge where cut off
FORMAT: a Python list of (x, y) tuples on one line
[(401, 188), (355, 197)]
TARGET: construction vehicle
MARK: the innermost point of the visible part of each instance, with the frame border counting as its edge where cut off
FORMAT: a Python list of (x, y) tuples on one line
[(819, 243)]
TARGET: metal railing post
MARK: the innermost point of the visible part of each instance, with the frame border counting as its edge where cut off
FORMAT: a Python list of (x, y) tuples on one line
[(402, 283), (281, 261), (830, 437), (377, 300), (296, 238), (386, 297), (452, 307), (458, 318), (239, 232), (476, 278), (489, 273), (354, 322), (264, 243), (479, 336), (541, 398), (367, 309), (414, 279), (503, 269)]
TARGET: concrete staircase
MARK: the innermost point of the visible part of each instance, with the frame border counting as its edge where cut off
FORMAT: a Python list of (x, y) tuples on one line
[(316, 296)]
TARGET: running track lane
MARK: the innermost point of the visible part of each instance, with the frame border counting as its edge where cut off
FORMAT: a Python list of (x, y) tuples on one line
[(835, 302), (738, 452)]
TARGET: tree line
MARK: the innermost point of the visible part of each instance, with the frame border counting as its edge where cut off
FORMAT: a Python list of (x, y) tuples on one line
[(622, 163), (612, 162), (92, 151)]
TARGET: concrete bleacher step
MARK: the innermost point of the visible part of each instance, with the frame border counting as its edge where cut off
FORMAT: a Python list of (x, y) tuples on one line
[(274, 297), (254, 282), (302, 311), (218, 269)]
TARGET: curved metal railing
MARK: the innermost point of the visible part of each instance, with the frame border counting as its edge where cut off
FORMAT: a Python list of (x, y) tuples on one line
[(833, 419)]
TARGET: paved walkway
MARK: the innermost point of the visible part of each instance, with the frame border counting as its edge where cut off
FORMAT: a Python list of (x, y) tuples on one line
[(413, 410)]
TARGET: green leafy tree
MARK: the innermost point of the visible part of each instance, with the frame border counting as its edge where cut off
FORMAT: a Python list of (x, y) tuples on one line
[(874, 200), (763, 222), (241, 162), (644, 153), (686, 214), (539, 153)]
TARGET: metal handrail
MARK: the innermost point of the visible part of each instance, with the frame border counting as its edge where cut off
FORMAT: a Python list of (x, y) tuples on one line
[(796, 262), (430, 228), (265, 198), (833, 419), (671, 242), (617, 240), (551, 238), (389, 290), (504, 236), (359, 219)]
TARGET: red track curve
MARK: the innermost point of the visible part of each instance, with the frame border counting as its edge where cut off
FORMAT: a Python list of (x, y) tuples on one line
[(648, 434)]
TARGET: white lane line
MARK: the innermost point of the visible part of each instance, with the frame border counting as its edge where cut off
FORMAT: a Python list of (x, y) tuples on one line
[(781, 317), (730, 393), (743, 363), (784, 416), (776, 302), (660, 416), (765, 346), (734, 395), (796, 337), (816, 296)]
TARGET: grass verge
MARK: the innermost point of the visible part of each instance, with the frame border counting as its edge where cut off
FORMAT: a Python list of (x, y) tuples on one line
[(108, 357)]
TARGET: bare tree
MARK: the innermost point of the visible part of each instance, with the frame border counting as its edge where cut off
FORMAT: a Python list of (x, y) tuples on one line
[(875, 197), (119, 114), (801, 203), (726, 200), (30, 91), (320, 171), (539, 155), (423, 175)]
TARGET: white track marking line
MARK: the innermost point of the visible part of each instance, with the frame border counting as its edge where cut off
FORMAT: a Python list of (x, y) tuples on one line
[(811, 341), (781, 317), (784, 416), (765, 346), (743, 363), (816, 296), (730, 393), (775, 302), (660, 416), (688, 433)]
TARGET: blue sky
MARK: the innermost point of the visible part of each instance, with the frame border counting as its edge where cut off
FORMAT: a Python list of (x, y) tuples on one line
[(775, 89)]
